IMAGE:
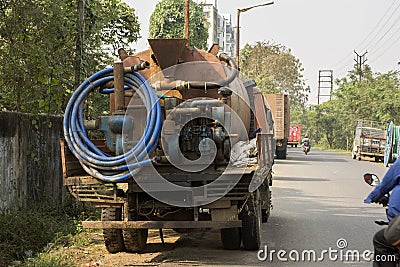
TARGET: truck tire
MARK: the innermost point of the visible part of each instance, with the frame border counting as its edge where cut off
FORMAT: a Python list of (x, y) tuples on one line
[(266, 211), (231, 238), (281, 154), (251, 223), (135, 239), (113, 239)]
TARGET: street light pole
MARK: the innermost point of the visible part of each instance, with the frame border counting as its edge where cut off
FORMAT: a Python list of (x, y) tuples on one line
[(242, 10), (237, 37)]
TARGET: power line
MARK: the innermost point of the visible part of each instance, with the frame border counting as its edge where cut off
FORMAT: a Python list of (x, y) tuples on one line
[(344, 62), (384, 25), (384, 35), (395, 41), (374, 51), (346, 58), (376, 26)]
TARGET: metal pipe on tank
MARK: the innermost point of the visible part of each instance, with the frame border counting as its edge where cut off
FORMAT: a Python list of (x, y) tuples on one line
[(119, 99), (210, 102), (187, 21), (179, 111)]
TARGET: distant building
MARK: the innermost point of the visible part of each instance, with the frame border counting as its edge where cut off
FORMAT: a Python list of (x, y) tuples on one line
[(220, 30), (211, 13), (229, 41)]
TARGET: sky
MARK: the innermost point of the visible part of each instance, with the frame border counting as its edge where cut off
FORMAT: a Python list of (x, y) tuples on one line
[(322, 34)]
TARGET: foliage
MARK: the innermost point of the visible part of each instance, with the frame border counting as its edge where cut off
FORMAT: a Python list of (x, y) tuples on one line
[(168, 21), (374, 97), (26, 232), (38, 47), (275, 70)]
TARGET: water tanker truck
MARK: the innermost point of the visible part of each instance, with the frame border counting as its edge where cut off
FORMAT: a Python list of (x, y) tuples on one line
[(187, 145)]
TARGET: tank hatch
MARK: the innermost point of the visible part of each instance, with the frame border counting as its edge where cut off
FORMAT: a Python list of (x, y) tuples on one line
[(167, 51)]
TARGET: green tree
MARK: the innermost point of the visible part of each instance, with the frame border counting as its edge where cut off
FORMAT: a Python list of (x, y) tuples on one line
[(38, 48), (374, 97), (168, 21), (276, 70)]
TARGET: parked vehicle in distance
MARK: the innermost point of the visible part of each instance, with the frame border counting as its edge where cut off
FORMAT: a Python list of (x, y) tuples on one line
[(369, 140), (294, 135), (280, 107)]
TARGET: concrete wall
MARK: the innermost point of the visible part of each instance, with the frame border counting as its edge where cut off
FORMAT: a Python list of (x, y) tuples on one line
[(30, 161)]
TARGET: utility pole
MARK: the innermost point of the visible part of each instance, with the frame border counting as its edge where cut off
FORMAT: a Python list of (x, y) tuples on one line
[(325, 81), (360, 61), (187, 23), (80, 30)]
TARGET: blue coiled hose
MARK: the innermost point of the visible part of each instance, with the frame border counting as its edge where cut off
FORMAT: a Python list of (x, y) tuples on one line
[(95, 162)]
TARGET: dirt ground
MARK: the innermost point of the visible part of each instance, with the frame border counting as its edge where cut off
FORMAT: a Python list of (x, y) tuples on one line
[(202, 248)]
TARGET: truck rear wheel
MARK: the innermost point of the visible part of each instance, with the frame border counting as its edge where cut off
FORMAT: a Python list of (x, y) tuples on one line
[(251, 222), (281, 154), (231, 238), (113, 239), (266, 211), (135, 240)]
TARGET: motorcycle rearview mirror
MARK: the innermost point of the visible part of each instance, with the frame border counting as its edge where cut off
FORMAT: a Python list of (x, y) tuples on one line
[(371, 179)]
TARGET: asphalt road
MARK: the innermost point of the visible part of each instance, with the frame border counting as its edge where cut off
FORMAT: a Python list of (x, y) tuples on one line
[(318, 200)]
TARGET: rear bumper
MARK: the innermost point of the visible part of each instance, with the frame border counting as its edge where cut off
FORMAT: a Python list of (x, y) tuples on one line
[(160, 224)]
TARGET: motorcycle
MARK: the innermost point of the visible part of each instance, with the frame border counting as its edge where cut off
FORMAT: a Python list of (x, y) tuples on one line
[(373, 180), (306, 147)]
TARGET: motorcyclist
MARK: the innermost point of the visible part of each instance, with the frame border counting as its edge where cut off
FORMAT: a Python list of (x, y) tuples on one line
[(390, 183), (304, 141)]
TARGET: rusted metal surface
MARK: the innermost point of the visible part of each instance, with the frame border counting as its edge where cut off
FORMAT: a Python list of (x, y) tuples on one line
[(70, 164), (122, 54), (167, 51), (160, 224), (214, 49), (260, 111), (219, 204), (119, 87), (280, 107)]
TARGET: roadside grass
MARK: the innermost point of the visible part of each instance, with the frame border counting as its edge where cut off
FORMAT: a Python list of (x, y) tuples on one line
[(326, 148), (28, 235), (49, 260)]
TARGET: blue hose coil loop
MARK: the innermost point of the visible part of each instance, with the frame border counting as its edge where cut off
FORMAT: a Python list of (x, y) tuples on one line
[(95, 162)]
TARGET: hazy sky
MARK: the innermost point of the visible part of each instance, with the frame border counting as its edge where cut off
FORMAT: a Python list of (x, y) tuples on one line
[(321, 33)]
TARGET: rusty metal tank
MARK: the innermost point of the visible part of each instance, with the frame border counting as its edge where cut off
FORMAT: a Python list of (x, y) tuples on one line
[(170, 61)]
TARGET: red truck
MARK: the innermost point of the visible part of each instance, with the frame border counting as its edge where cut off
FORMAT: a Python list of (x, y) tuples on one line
[(294, 135)]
